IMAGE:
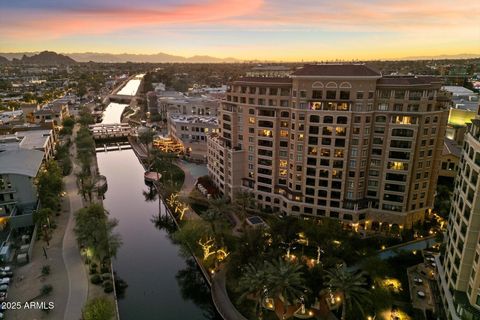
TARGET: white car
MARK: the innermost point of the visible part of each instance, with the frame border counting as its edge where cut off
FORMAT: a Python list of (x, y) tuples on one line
[(4, 287), (5, 269), (4, 281)]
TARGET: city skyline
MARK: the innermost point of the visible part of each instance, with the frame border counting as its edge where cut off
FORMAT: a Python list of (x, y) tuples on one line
[(246, 30)]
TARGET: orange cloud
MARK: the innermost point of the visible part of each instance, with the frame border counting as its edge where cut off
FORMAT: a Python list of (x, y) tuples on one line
[(55, 24)]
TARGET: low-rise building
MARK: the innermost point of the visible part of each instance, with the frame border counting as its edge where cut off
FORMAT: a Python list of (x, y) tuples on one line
[(53, 112), (465, 106), (192, 131), (450, 158), (41, 140), (18, 170)]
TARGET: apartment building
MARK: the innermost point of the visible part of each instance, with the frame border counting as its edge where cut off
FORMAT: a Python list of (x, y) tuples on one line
[(458, 276), (333, 140)]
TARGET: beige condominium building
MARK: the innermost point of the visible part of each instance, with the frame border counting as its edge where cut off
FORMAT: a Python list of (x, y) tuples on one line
[(333, 140), (458, 276)]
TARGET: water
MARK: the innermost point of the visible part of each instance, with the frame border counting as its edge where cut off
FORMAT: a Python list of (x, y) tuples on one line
[(131, 88), (113, 113), (162, 284)]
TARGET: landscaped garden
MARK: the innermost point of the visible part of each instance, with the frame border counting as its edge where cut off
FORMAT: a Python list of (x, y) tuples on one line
[(296, 267)]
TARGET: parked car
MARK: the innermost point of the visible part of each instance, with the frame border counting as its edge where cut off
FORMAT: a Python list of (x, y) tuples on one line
[(5, 269), (3, 296), (4, 287), (7, 274), (4, 281)]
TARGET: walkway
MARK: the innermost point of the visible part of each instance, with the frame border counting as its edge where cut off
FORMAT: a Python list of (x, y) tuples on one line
[(189, 182), (77, 277), (221, 300)]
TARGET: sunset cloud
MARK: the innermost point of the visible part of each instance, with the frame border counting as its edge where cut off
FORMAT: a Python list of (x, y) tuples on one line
[(255, 28)]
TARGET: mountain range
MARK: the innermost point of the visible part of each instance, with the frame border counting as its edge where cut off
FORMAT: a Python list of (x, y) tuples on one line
[(52, 58), (42, 58), (119, 58)]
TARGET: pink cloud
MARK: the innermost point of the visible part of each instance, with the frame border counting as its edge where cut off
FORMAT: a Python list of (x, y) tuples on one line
[(378, 15), (54, 24)]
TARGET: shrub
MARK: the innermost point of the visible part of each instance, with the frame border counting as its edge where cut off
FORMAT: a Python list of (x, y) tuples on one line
[(45, 270), (96, 279), (108, 286), (106, 276), (99, 309), (93, 269), (104, 269), (46, 289)]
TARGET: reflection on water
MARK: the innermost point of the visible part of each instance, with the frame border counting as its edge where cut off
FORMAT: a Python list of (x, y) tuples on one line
[(148, 261), (113, 113), (131, 88)]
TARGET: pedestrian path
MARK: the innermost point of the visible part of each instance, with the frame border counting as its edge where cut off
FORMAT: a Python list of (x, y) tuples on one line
[(77, 277)]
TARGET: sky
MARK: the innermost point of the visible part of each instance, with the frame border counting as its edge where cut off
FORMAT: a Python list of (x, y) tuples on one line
[(282, 30)]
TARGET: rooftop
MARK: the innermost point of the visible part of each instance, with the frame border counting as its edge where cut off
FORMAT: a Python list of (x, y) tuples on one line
[(407, 80), (34, 139), (270, 80), (337, 70), (458, 90), (194, 119), (21, 161), (451, 147)]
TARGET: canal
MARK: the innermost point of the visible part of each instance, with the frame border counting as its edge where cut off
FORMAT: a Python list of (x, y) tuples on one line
[(162, 284)]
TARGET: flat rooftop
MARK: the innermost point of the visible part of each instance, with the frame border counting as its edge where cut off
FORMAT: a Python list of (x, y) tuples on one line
[(178, 118), (22, 161)]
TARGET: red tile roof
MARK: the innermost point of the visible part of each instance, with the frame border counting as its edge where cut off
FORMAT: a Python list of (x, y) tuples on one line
[(333, 70)]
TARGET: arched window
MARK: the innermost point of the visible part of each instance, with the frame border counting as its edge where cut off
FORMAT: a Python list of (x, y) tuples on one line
[(345, 85), (317, 85), (331, 84)]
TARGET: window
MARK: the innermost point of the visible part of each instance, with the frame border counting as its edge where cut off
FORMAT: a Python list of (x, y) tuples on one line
[(331, 94), (360, 95), (317, 94), (344, 95)]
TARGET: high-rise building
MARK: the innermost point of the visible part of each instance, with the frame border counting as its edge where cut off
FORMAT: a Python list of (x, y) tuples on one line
[(333, 140), (458, 269)]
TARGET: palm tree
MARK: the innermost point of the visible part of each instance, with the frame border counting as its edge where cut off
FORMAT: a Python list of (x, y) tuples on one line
[(215, 213), (243, 200), (352, 287), (252, 285), (286, 284), (146, 137)]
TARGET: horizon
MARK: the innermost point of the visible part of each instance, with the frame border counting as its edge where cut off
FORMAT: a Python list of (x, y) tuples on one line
[(459, 56), (262, 30)]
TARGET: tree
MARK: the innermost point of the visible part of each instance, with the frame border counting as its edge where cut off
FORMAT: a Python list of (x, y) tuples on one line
[(279, 280), (189, 235), (95, 231), (215, 215), (99, 309), (352, 288), (146, 137), (252, 285), (243, 200), (286, 284), (50, 185)]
